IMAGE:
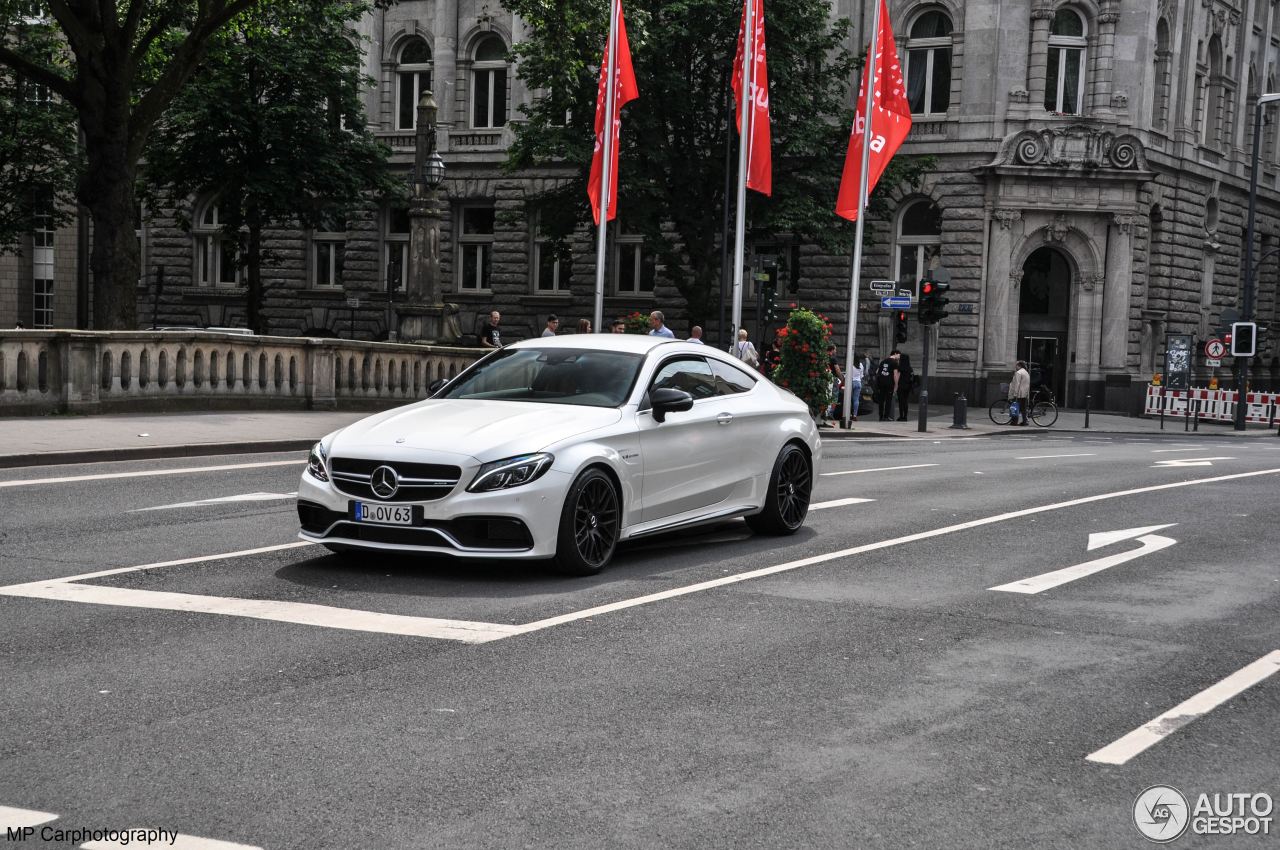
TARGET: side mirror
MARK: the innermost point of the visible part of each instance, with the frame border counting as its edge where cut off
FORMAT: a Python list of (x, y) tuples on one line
[(436, 386), (667, 400)]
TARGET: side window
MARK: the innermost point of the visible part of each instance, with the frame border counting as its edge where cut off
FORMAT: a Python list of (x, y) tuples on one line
[(691, 374), (730, 380)]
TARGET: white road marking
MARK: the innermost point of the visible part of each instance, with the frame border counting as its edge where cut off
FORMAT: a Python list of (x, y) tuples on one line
[(301, 613), (1047, 581), (1164, 451), (180, 842), (1187, 461), (1151, 733), (880, 469), (243, 497), (11, 818), (142, 473), (180, 561), (1046, 457), (838, 503)]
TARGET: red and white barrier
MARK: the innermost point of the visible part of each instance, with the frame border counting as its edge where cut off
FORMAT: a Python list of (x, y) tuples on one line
[(1214, 405)]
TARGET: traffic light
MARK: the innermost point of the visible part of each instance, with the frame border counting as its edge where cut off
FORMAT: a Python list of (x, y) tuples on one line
[(1244, 339), (900, 326), (933, 301), (770, 300)]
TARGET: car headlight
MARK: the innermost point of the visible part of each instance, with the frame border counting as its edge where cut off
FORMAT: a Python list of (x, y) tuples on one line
[(315, 462), (511, 472)]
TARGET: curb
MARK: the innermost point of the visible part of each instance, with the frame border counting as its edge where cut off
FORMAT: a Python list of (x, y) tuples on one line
[(152, 452)]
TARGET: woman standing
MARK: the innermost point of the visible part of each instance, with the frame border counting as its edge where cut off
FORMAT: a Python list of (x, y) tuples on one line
[(745, 351)]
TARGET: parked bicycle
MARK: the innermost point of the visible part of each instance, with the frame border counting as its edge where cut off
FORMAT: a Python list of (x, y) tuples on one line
[(1043, 412)]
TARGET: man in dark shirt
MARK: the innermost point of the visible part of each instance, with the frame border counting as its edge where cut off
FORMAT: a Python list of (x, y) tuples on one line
[(905, 381), (886, 385), (491, 334)]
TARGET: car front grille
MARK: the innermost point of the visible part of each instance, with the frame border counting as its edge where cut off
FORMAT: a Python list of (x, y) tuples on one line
[(419, 482)]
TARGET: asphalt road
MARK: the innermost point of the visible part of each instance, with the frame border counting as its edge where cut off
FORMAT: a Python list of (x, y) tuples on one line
[(857, 685)]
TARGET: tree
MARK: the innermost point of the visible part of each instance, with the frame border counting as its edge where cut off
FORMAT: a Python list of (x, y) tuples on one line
[(273, 125), (129, 60), (673, 138), (38, 153)]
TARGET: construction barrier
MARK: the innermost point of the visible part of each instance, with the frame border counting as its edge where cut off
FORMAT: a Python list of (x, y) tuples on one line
[(1214, 405)]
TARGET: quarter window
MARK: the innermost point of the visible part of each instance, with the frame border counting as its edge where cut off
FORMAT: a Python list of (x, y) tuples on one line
[(1064, 86), (929, 64), (731, 380)]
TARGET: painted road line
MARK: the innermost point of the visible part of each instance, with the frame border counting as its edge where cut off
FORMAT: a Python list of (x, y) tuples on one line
[(142, 473), (837, 503), (1166, 451), (1140, 739), (1047, 457), (243, 497), (180, 561), (176, 842), (11, 818), (1177, 463), (1150, 543), (301, 613), (880, 469)]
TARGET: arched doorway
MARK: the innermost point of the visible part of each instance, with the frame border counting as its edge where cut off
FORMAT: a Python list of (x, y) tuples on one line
[(1044, 308)]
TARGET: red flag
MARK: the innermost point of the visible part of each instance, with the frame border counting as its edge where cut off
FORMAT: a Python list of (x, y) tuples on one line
[(890, 122), (624, 91), (759, 157)]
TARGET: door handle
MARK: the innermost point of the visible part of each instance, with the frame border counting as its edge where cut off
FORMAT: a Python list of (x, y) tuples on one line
[(724, 418)]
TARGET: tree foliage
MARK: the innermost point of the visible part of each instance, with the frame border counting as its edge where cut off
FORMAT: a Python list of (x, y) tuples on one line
[(273, 126), (672, 167)]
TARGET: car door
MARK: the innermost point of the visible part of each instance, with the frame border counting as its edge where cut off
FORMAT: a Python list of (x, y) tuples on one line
[(745, 420), (683, 457)]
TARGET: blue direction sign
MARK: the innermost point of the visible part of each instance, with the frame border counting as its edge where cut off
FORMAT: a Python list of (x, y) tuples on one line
[(896, 302)]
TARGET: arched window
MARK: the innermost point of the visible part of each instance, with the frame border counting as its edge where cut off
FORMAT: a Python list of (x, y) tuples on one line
[(217, 257), (1160, 97), (489, 83), (929, 64), (1064, 85), (919, 238), (413, 77), (1215, 99)]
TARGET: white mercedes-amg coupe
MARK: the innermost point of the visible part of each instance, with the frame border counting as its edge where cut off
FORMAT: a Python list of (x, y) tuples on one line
[(560, 448)]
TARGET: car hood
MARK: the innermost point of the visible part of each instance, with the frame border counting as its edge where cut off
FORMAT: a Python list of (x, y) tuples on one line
[(484, 430)]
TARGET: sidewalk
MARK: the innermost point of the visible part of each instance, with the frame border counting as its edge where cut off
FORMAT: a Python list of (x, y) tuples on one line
[(39, 440)]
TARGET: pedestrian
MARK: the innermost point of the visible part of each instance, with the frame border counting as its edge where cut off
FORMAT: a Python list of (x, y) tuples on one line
[(619, 326), (491, 334), (886, 385), (856, 375), (745, 351), (553, 324), (695, 335), (1020, 391), (584, 326), (836, 384), (19, 326), (658, 327), (906, 382)]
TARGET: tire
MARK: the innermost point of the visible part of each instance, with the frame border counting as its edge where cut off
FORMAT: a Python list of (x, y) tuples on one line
[(1044, 413), (999, 412), (787, 499), (589, 525)]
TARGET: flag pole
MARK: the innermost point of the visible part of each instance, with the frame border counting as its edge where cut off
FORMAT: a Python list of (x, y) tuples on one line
[(869, 75), (606, 169), (744, 152)]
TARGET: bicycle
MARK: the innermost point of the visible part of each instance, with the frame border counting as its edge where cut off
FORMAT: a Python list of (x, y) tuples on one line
[(1043, 412)]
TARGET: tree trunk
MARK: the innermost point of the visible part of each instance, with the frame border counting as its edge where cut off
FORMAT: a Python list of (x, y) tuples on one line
[(253, 259), (107, 190)]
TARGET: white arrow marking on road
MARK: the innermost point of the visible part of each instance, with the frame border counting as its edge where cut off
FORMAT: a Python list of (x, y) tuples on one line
[(243, 497), (18, 818), (838, 503), (1150, 543), (1188, 461)]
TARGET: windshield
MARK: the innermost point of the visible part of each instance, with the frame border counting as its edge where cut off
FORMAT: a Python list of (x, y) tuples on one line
[(550, 375)]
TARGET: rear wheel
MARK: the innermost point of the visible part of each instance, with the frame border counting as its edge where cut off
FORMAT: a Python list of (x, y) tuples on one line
[(787, 501), (1044, 413), (1000, 412), (589, 525)]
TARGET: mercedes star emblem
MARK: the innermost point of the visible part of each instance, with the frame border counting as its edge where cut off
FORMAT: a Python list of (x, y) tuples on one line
[(384, 482)]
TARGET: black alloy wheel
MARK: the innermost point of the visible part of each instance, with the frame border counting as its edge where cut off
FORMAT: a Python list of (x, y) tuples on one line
[(787, 499), (589, 525)]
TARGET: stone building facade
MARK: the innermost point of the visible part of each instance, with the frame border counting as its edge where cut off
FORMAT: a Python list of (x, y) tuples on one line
[(1089, 196)]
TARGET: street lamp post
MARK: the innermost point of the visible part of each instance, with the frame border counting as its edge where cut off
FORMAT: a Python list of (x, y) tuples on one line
[(1246, 305), (422, 318)]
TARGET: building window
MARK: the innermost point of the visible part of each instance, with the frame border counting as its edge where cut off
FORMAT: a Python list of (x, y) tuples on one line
[(1216, 118), (552, 264), (634, 269), (1160, 100), (475, 243), (396, 249), (1064, 87), (42, 272), (217, 257), (929, 64), (413, 77), (919, 239), (328, 252), (489, 83)]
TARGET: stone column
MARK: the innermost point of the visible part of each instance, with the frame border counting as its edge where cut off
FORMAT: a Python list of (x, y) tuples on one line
[(1039, 58), (1115, 293), (997, 338), (1105, 65), (445, 70)]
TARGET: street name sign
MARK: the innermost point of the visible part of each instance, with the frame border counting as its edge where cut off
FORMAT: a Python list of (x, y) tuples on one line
[(895, 302), (882, 287)]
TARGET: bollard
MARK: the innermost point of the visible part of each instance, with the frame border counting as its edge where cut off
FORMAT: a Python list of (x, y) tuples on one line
[(1162, 404), (1087, 399), (960, 413), (1186, 417), (1272, 421), (1196, 427)]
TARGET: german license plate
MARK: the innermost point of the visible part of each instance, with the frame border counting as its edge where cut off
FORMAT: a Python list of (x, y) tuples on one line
[(384, 514)]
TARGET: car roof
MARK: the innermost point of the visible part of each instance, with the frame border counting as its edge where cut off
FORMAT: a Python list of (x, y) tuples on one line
[(636, 343)]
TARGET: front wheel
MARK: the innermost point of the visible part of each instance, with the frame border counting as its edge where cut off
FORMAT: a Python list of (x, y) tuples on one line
[(999, 412), (1044, 413), (589, 525), (787, 500)]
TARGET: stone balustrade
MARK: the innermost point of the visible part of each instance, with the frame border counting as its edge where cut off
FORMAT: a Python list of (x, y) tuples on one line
[(118, 371)]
